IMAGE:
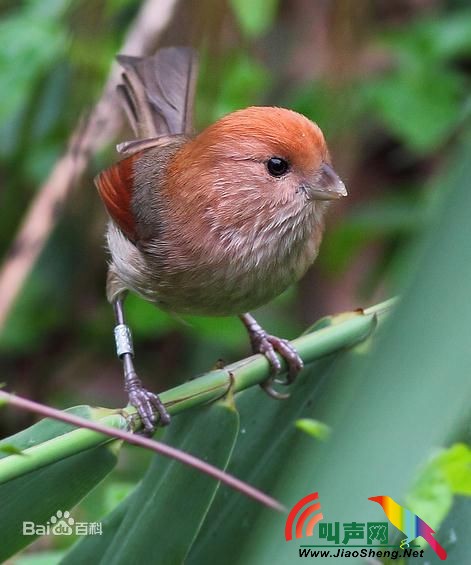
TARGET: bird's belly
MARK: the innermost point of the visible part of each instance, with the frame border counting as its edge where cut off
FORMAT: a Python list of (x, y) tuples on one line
[(234, 286), (218, 294), (212, 284)]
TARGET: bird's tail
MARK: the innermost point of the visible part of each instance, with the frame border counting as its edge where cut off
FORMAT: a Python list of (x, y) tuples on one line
[(158, 91)]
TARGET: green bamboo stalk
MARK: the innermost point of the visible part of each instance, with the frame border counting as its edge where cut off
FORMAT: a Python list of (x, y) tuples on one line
[(254, 370), (353, 328), (56, 449), (338, 333)]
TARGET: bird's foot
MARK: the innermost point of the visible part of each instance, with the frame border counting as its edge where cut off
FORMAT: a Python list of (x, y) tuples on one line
[(148, 405), (270, 345), (150, 408)]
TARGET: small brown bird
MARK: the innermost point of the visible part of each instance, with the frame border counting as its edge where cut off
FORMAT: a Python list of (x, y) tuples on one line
[(213, 224)]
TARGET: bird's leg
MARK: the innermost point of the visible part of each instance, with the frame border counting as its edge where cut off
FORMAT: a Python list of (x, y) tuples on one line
[(270, 345), (147, 404)]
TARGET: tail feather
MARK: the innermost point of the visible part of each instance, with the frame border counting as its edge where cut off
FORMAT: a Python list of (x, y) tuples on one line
[(158, 91)]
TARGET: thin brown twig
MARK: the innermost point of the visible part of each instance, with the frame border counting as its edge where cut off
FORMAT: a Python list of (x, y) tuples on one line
[(156, 446), (98, 129)]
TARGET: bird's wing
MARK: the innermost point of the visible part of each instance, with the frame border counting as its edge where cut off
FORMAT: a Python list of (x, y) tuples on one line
[(115, 189), (127, 148), (158, 91), (131, 202)]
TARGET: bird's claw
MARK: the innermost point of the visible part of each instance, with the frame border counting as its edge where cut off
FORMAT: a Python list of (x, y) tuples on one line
[(270, 345), (150, 408), (268, 387)]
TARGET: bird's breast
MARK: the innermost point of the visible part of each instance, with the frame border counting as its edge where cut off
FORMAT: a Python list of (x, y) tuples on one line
[(224, 270)]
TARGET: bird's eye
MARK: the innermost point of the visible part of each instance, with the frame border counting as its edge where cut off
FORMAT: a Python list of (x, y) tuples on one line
[(277, 166)]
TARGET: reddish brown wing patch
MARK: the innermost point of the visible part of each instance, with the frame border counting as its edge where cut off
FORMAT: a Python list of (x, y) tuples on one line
[(115, 187)]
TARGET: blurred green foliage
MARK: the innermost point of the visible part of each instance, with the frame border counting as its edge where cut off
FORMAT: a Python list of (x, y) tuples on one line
[(25, 56), (426, 97), (255, 17), (390, 87)]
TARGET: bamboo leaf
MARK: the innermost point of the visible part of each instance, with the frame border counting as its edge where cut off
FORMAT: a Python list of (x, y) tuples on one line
[(164, 514), (39, 494)]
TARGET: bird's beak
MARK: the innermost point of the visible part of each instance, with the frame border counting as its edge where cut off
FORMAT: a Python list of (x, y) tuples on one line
[(327, 185)]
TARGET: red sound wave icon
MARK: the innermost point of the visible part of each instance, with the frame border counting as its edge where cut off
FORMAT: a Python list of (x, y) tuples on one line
[(303, 517)]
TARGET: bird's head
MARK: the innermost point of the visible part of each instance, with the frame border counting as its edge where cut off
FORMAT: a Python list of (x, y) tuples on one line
[(265, 158)]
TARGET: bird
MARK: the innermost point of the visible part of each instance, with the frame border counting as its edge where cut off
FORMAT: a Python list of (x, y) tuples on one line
[(409, 523), (214, 223)]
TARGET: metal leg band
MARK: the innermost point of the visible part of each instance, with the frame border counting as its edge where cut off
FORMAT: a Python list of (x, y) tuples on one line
[(123, 339)]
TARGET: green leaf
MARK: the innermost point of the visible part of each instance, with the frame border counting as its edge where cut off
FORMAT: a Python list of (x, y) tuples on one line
[(444, 476), (45, 430), (392, 216), (433, 39), (10, 449), (38, 495), (25, 55), (264, 446), (314, 428), (40, 558), (255, 17), (92, 548), (419, 109), (172, 499), (455, 464), (422, 100), (241, 81)]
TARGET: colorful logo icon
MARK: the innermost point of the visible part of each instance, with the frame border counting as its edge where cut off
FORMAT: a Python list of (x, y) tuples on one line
[(303, 517), (408, 523)]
